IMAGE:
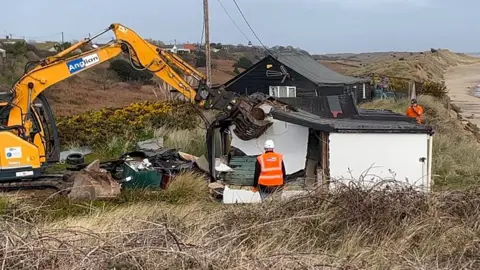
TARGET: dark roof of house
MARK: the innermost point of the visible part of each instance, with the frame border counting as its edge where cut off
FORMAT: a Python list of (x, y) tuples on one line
[(314, 71), (307, 67), (350, 125)]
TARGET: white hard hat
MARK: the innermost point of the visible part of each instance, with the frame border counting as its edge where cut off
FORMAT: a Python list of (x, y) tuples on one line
[(269, 144)]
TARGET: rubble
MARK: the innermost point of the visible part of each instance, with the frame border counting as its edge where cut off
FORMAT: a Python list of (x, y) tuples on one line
[(151, 144), (93, 183)]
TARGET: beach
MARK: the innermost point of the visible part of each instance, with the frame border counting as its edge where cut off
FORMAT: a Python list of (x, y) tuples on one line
[(461, 82)]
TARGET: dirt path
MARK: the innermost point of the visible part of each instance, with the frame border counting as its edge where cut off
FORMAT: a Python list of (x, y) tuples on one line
[(461, 81)]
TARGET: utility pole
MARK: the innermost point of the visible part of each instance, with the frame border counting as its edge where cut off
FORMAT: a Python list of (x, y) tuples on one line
[(207, 42), (63, 43)]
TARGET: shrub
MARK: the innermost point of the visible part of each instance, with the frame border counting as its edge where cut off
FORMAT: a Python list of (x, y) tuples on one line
[(243, 62), (17, 49), (201, 61), (397, 84), (96, 128), (436, 89), (127, 73)]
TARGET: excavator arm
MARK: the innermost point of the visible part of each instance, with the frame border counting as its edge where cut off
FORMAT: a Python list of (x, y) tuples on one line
[(143, 56), (22, 138)]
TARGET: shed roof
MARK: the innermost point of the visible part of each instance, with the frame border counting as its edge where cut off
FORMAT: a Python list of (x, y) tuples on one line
[(314, 71), (349, 125)]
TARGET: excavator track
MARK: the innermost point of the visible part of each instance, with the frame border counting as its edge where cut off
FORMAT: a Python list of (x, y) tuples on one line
[(55, 181)]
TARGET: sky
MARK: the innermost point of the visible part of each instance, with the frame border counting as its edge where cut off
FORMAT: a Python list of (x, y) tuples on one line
[(318, 26)]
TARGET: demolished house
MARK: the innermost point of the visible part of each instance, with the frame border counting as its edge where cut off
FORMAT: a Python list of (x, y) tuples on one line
[(331, 144)]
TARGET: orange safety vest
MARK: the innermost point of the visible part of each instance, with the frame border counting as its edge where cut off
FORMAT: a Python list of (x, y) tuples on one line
[(415, 113), (271, 173)]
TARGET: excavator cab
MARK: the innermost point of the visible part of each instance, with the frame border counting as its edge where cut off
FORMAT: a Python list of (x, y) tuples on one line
[(46, 131), (43, 132)]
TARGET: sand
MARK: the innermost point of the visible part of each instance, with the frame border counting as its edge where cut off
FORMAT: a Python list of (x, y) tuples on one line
[(461, 82)]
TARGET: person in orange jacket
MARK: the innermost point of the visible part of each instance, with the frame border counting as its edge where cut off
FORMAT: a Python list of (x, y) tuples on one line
[(270, 171), (415, 111)]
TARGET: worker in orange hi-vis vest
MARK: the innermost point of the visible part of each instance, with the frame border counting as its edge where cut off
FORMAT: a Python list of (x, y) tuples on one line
[(269, 171), (415, 111)]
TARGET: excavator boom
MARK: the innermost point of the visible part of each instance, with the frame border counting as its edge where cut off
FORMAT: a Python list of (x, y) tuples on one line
[(23, 142)]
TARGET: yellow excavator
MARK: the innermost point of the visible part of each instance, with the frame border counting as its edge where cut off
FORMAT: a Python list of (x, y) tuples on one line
[(29, 140)]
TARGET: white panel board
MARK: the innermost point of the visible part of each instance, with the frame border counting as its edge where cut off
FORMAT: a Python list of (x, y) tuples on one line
[(373, 157), (242, 196), (291, 140)]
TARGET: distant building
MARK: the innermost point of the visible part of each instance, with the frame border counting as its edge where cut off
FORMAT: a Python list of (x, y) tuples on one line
[(190, 47), (181, 49), (10, 40)]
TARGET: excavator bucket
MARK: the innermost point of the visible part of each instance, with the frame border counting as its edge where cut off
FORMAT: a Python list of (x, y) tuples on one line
[(244, 112), (92, 183), (250, 121)]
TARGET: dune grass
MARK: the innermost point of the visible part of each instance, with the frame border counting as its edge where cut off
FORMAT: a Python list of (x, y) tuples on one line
[(181, 228), (352, 229)]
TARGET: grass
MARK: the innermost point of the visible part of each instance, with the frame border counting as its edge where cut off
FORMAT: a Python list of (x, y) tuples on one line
[(456, 153), (180, 228), (353, 229)]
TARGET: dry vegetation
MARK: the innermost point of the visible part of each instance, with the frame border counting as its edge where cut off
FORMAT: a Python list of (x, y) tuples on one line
[(425, 66), (181, 228)]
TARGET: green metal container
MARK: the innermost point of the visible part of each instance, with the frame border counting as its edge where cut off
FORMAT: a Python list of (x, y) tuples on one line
[(244, 170), (141, 179)]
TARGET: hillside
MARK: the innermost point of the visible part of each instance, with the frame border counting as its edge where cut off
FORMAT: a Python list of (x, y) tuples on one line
[(422, 66)]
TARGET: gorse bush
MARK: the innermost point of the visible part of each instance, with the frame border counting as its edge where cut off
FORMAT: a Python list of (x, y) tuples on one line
[(96, 128), (436, 89)]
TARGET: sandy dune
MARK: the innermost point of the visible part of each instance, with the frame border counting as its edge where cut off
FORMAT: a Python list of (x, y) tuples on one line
[(461, 80)]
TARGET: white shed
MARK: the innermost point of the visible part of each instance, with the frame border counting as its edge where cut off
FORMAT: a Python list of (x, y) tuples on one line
[(369, 148)]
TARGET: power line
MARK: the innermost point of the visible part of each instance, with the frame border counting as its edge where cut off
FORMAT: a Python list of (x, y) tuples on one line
[(239, 29), (35, 37), (246, 21)]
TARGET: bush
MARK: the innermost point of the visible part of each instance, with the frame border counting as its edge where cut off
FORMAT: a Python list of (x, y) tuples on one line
[(127, 73), (201, 60), (436, 89), (236, 71), (97, 128), (17, 49), (400, 85), (243, 62)]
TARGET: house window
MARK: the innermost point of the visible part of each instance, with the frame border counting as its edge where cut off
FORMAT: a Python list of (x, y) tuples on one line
[(283, 91)]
